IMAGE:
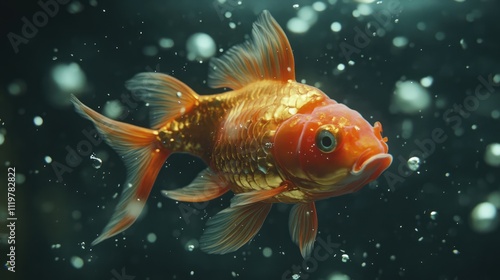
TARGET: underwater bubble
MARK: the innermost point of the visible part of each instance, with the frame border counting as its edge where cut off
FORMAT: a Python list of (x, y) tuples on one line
[(267, 252), (426, 81), (2, 138), (345, 257), (151, 237), (297, 25), (55, 246), (433, 215), (365, 10), (308, 14), (338, 276), (191, 245), (17, 87), (96, 162), (484, 217), (69, 77), (319, 6), (440, 36), (37, 120), (149, 50), (492, 154), (77, 262), (200, 46), (494, 198), (113, 109), (295, 276), (463, 44), (75, 7), (336, 26), (400, 41), (166, 43), (47, 159), (410, 98), (413, 163)]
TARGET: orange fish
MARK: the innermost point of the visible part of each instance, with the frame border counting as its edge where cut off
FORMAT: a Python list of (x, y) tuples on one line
[(269, 140)]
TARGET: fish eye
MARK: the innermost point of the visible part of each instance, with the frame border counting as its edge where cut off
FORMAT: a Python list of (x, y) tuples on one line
[(325, 141)]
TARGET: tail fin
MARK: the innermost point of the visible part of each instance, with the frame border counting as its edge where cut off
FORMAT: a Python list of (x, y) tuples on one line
[(143, 156)]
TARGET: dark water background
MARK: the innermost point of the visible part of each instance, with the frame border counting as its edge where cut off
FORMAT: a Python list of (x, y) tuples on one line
[(386, 229)]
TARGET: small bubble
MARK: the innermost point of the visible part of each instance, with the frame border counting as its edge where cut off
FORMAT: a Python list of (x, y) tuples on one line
[(345, 257), (413, 163), (77, 262), (433, 215), (151, 237), (267, 252), (456, 252), (37, 120), (296, 6), (96, 162), (295, 276), (48, 159), (190, 247)]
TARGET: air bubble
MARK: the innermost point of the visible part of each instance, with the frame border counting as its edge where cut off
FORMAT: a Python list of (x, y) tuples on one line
[(433, 215), (413, 163), (96, 162)]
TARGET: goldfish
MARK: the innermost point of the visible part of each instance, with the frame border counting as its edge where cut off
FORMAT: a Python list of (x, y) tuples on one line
[(269, 139)]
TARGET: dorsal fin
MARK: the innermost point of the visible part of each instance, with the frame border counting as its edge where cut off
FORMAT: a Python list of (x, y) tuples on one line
[(267, 56)]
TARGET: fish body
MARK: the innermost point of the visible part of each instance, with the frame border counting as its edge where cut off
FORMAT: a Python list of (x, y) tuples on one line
[(268, 140)]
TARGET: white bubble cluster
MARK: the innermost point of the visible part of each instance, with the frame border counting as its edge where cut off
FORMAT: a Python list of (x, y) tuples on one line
[(410, 98), (306, 17), (200, 46)]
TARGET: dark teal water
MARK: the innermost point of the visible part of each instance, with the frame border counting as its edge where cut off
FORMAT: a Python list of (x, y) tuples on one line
[(438, 222)]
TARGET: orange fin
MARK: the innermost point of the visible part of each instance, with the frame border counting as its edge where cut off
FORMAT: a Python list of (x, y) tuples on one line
[(206, 186), (233, 227), (256, 196), (303, 225), (143, 157), (167, 96), (267, 56)]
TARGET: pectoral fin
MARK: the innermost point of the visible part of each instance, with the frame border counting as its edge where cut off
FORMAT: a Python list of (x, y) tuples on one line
[(206, 186), (256, 196), (303, 225), (233, 227)]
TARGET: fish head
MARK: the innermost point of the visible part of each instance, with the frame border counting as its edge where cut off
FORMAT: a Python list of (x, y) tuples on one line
[(331, 149)]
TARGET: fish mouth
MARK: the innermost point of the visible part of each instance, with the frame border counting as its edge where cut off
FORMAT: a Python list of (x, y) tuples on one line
[(370, 160)]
